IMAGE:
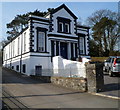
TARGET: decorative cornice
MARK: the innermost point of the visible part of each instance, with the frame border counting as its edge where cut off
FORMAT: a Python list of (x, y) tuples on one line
[(63, 36)]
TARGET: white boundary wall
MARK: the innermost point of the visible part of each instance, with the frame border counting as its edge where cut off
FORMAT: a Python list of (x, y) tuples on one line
[(68, 68)]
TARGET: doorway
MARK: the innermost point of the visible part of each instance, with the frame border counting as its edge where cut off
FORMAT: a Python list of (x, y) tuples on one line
[(38, 70), (64, 49)]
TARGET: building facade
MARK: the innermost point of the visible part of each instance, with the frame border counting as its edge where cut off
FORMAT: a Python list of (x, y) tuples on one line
[(56, 34)]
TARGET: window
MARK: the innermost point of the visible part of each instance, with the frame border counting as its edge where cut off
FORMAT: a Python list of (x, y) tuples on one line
[(41, 41), (57, 48), (52, 48), (63, 25), (6, 56), (9, 50), (76, 55), (72, 51), (25, 42), (18, 45), (81, 45), (108, 60), (66, 28), (60, 26), (12, 67), (17, 67), (13, 48), (24, 68), (118, 60)]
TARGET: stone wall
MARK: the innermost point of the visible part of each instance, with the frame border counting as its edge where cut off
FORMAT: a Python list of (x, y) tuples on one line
[(95, 78), (74, 83), (79, 84)]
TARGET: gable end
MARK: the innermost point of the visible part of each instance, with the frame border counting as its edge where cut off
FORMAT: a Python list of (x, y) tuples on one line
[(66, 8)]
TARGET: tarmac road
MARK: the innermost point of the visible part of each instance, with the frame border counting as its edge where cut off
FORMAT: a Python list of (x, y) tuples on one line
[(111, 86), (33, 93)]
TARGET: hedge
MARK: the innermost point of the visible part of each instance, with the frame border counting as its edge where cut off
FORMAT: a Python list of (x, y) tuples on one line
[(98, 59)]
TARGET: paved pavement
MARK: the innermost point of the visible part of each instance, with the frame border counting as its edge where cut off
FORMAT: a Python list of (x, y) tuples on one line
[(33, 93), (111, 86)]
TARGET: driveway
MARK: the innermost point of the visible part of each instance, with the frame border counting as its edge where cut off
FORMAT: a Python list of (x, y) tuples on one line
[(34, 93)]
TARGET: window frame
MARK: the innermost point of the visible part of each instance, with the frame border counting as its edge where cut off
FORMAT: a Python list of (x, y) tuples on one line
[(9, 50), (83, 44), (25, 42), (60, 23), (44, 30), (18, 45), (14, 48), (24, 68), (63, 21), (41, 41), (117, 60), (66, 24), (13, 67), (17, 67)]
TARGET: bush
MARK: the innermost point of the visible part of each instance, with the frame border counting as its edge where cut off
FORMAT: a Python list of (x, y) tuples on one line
[(98, 59)]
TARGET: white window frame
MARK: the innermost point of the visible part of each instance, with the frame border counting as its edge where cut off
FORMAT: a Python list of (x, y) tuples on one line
[(18, 45), (62, 26), (81, 45), (25, 42), (9, 50), (13, 48), (41, 42), (67, 26)]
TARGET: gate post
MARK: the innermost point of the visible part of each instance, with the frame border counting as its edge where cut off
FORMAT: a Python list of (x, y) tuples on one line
[(95, 78)]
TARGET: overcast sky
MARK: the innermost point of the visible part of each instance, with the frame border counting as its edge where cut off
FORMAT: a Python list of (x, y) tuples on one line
[(80, 9)]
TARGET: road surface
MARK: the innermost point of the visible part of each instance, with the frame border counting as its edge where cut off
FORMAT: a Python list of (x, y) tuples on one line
[(33, 93), (111, 86)]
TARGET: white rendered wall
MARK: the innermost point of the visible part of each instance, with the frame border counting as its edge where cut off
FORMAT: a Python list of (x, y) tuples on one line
[(45, 62), (14, 58), (15, 46), (26, 61), (68, 68)]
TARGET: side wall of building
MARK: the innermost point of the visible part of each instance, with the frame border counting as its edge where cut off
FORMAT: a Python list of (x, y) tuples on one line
[(16, 51)]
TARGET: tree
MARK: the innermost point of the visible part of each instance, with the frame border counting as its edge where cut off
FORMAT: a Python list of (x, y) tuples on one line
[(93, 48), (2, 43), (105, 30), (20, 22)]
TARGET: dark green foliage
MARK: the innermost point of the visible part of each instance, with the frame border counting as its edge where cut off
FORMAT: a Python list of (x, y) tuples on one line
[(20, 22), (37, 13), (105, 31), (94, 48)]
